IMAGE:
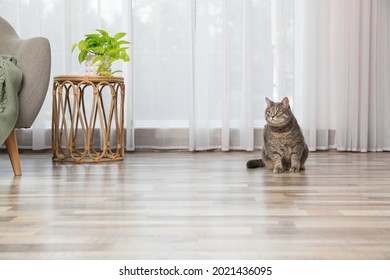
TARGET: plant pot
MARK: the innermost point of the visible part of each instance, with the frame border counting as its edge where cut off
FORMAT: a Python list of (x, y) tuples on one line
[(91, 69)]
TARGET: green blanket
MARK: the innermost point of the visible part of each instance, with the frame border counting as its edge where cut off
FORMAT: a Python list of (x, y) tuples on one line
[(10, 82)]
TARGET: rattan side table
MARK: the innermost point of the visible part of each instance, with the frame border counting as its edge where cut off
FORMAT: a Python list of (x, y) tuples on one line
[(88, 119)]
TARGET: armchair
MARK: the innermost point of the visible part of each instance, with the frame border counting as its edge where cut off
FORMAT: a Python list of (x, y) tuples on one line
[(34, 59)]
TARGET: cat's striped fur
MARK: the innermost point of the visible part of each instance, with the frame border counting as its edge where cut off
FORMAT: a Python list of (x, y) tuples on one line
[(284, 145)]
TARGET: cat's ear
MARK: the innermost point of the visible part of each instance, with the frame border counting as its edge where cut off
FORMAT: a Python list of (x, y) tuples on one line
[(269, 102), (286, 102)]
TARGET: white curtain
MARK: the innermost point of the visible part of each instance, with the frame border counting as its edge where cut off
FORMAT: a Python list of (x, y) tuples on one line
[(342, 72), (203, 67), (65, 22), (200, 69)]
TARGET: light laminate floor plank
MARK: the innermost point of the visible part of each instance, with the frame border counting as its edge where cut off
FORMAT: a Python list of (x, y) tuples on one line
[(206, 205)]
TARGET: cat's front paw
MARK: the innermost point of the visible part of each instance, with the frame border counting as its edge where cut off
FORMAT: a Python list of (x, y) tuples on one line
[(295, 169), (278, 170)]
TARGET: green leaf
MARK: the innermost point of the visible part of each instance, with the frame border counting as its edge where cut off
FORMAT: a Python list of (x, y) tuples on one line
[(123, 49), (74, 46), (92, 36), (104, 33), (92, 42), (112, 52), (125, 57), (119, 35), (82, 56), (116, 71), (111, 60), (105, 73), (102, 68), (97, 58), (83, 45), (124, 42), (98, 50)]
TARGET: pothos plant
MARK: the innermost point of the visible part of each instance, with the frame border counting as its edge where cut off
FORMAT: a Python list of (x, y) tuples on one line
[(105, 48)]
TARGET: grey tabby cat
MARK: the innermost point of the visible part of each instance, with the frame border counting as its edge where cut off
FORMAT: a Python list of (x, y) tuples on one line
[(284, 145)]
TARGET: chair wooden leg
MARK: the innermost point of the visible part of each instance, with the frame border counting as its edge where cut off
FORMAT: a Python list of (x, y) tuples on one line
[(13, 152)]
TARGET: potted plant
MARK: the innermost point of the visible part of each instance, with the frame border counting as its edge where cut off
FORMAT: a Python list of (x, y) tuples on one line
[(102, 50)]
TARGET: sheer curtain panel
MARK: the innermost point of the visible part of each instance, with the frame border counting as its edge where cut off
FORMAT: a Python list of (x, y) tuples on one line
[(64, 23), (203, 67), (342, 69)]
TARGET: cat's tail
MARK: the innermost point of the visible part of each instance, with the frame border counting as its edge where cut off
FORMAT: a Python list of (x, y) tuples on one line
[(255, 163)]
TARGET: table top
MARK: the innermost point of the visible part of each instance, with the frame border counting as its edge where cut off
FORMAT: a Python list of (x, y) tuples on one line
[(81, 78)]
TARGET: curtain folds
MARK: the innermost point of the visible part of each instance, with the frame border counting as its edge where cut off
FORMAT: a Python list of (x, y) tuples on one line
[(341, 64), (201, 69), (221, 64)]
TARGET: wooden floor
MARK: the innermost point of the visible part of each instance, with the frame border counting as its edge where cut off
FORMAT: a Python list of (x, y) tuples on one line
[(206, 205)]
